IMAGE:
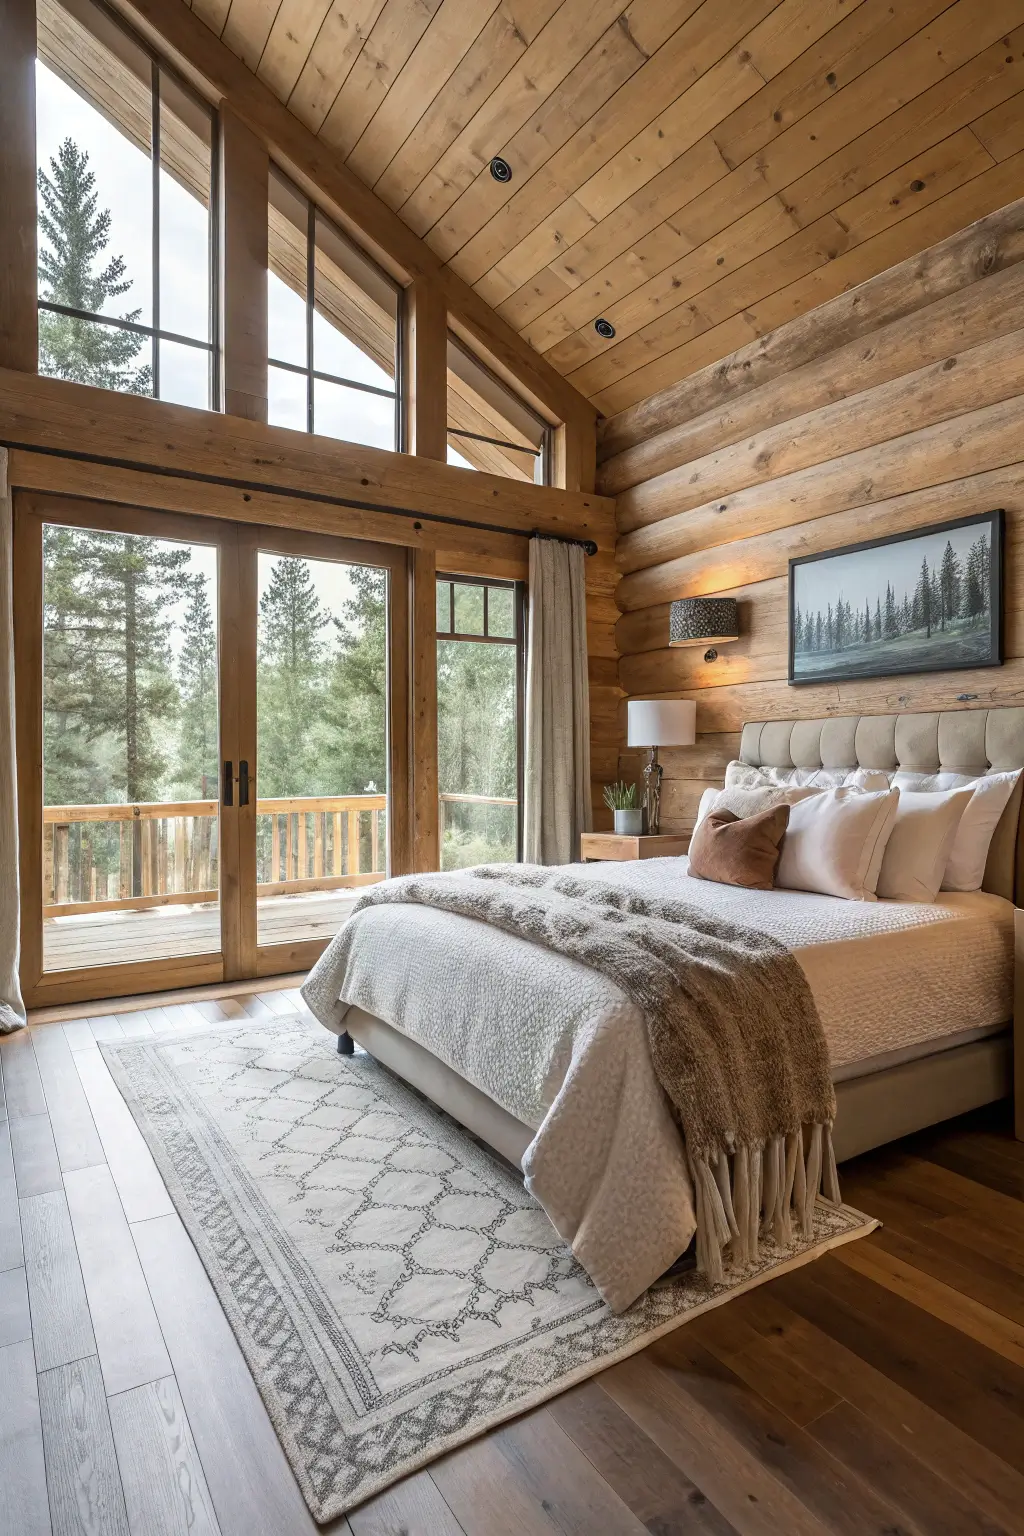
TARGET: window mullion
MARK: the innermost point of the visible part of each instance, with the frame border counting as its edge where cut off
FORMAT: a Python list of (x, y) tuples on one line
[(155, 133), (310, 280)]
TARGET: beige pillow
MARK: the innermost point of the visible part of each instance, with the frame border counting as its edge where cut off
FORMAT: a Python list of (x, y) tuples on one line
[(920, 843), (750, 802), (835, 842)]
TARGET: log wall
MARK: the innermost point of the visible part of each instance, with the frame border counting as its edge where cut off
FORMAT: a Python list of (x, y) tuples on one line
[(896, 405)]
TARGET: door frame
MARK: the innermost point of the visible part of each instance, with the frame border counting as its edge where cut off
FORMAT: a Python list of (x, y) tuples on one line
[(238, 956), (253, 958)]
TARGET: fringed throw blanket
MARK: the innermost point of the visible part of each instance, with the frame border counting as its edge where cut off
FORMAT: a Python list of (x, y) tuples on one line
[(734, 1035)]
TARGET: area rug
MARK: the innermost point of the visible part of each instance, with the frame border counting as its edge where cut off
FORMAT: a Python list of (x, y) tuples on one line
[(394, 1288)]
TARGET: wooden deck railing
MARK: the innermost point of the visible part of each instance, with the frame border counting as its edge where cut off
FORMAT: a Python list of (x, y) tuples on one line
[(101, 858)]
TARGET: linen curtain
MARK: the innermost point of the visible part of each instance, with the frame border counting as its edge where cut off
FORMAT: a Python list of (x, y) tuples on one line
[(12, 1009), (557, 808)]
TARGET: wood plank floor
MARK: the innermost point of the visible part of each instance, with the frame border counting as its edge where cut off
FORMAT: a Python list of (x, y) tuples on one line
[(161, 933), (878, 1392)]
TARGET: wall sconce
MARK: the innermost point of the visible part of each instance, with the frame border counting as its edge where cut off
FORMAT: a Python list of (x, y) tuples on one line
[(700, 620)]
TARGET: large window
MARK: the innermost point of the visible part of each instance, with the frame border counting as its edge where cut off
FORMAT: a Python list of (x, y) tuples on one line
[(332, 328), (480, 688), (125, 192), (489, 427)]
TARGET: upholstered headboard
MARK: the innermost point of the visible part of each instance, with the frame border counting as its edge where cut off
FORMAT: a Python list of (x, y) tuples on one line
[(961, 741)]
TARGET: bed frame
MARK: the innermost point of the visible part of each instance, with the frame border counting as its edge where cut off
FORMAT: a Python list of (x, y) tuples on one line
[(883, 1105)]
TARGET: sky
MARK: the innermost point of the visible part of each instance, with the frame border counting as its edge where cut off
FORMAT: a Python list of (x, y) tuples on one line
[(124, 186), (862, 577)]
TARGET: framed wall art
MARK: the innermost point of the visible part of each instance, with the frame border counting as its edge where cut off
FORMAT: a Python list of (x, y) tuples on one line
[(926, 601)]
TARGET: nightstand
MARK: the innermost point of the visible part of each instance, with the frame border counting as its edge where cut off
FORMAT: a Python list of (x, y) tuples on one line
[(612, 845)]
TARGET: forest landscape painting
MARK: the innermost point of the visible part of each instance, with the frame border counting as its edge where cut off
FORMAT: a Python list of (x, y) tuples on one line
[(921, 602)]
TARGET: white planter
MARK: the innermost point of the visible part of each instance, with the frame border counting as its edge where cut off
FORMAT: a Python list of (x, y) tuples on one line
[(629, 823)]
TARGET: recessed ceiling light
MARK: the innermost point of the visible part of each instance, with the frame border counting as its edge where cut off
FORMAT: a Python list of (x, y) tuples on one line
[(500, 169), (604, 329)]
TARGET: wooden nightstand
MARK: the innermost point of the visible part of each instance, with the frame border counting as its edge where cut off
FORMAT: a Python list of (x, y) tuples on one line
[(611, 845)]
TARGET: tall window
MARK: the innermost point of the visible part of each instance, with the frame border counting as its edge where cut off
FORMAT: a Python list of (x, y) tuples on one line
[(125, 192), (480, 693), (489, 427), (333, 328)]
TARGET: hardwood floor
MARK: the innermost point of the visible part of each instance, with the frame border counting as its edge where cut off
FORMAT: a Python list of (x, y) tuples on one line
[(880, 1390)]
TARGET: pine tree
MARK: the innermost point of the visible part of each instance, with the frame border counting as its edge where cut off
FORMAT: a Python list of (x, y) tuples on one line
[(951, 583), (77, 234), (291, 681), (866, 632), (878, 618), (891, 622), (132, 581), (71, 773), (976, 579), (924, 614), (196, 768)]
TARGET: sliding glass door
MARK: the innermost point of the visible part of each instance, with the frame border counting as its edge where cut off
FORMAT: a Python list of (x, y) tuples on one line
[(208, 744), (328, 613)]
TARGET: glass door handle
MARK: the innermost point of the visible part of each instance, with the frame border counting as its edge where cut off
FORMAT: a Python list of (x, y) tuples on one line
[(228, 795), (243, 782)]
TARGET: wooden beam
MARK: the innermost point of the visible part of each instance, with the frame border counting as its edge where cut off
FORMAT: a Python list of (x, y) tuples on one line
[(152, 434), (18, 324), (244, 167), (423, 782), (320, 171), (426, 371)]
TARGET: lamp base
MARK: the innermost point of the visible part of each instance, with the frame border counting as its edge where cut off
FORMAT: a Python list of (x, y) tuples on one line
[(652, 793)]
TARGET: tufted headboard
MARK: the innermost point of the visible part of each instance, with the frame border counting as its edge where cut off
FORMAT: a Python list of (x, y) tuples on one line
[(961, 741)]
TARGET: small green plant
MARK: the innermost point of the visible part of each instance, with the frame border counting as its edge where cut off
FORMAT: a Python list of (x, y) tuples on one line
[(620, 796)]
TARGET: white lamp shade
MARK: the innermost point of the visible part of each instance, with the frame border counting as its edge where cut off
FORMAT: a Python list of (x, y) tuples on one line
[(662, 723)]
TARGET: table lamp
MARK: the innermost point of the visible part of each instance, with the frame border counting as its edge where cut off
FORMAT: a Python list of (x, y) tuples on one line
[(654, 723)]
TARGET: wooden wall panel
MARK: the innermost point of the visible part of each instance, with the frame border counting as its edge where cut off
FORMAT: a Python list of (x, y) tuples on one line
[(895, 406)]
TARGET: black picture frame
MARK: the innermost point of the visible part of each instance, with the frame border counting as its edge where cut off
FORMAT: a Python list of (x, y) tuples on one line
[(938, 652)]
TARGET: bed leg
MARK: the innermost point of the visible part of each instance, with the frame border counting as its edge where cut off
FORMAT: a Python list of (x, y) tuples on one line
[(346, 1045)]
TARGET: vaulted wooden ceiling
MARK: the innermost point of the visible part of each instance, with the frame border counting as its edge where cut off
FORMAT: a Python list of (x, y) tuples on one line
[(695, 173)]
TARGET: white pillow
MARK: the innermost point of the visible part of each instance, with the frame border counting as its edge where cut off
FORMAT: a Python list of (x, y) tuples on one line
[(920, 843), (835, 841), (748, 802), (965, 869), (745, 776)]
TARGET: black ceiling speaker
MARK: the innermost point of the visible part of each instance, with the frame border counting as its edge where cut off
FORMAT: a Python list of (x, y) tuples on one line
[(604, 328), (500, 169)]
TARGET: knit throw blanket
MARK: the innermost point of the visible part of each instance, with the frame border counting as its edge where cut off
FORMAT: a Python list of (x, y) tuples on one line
[(734, 1034)]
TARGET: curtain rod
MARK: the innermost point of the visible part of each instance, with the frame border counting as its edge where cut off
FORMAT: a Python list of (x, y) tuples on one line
[(258, 486)]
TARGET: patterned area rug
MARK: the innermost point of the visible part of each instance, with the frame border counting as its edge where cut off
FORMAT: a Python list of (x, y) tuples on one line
[(394, 1288)]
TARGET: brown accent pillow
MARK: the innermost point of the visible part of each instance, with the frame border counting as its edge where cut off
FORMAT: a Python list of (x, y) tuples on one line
[(737, 850)]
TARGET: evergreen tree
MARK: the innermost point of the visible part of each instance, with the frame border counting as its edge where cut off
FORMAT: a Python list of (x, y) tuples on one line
[(196, 768), (891, 622), (76, 235), (291, 679), (878, 619), (71, 773), (355, 707), (131, 583), (950, 581), (976, 579), (924, 614), (866, 632)]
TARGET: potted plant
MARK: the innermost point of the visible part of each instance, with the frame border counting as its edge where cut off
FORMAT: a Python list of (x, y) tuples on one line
[(620, 799)]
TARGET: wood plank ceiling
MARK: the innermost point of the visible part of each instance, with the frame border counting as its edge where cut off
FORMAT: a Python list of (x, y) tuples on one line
[(696, 173)]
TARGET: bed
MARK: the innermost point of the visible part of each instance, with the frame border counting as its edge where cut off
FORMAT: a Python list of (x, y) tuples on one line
[(916, 1002)]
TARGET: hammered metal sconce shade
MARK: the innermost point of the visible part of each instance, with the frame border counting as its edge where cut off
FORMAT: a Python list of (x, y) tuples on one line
[(700, 620)]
